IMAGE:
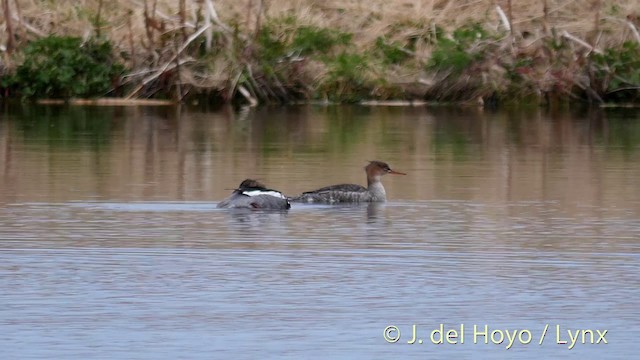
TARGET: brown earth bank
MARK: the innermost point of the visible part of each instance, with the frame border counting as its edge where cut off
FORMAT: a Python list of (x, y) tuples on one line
[(277, 51)]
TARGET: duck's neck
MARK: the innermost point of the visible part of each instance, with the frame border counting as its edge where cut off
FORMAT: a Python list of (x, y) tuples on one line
[(376, 189)]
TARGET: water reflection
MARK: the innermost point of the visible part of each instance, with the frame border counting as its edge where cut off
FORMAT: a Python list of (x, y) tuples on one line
[(258, 220), (74, 153), (111, 242)]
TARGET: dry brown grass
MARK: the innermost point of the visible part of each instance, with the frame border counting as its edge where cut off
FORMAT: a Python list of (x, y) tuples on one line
[(366, 19), (152, 32)]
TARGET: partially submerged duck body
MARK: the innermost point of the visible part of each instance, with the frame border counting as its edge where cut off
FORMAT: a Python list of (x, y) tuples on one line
[(252, 194), (352, 193)]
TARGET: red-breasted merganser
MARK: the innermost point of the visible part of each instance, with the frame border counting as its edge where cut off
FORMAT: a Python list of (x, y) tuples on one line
[(352, 193), (252, 194)]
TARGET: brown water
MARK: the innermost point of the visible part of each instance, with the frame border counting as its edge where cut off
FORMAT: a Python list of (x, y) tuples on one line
[(111, 245)]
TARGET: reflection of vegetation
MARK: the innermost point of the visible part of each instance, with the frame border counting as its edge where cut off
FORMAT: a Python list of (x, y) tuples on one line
[(347, 126), (456, 132), (622, 131), (450, 137), (274, 133), (63, 126), (614, 129), (269, 129), (519, 124), (273, 130), (389, 136)]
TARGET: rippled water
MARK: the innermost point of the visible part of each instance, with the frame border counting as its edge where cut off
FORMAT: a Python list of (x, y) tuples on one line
[(111, 245)]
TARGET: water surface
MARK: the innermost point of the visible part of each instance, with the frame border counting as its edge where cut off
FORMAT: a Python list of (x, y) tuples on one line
[(111, 245)]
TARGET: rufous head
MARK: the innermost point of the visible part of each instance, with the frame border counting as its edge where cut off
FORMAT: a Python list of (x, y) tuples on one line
[(379, 168)]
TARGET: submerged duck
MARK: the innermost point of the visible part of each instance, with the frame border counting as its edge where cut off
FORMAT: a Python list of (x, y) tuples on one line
[(352, 193), (252, 194)]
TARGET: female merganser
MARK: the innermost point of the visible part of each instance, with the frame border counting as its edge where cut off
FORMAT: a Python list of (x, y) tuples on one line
[(252, 194), (352, 193)]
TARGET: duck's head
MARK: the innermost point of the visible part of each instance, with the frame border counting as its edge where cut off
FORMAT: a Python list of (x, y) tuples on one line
[(251, 184), (376, 168)]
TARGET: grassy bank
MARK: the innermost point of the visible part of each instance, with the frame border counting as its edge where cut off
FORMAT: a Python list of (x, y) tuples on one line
[(265, 51)]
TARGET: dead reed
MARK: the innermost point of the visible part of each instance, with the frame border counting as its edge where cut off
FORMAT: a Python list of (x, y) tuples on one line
[(229, 50)]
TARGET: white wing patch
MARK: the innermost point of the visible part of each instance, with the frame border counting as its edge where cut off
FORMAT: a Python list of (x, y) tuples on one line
[(262, 192)]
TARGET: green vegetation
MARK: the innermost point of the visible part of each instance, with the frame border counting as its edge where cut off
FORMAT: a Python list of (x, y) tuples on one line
[(286, 52), (64, 67), (617, 72), (467, 46), (313, 40), (282, 39), (273, 52), (346, 79), (393, 52)]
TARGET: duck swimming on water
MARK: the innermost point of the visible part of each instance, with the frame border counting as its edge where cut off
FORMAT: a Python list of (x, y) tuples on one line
[(352, 193), (252, 194)]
